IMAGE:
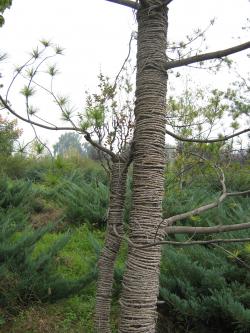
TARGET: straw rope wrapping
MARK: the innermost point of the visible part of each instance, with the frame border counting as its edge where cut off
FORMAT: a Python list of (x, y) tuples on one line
[(140, 283), (111, 247)]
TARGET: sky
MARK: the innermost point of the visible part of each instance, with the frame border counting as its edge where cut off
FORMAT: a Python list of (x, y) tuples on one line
[(95, 35)]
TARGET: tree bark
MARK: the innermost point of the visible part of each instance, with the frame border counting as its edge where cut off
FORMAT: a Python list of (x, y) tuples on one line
[(111, 247), (141, 279)]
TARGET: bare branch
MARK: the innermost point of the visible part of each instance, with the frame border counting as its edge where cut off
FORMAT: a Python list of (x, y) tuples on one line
[(133, 4), (99, 146), (126, 3), (224, 138), (207, 56), (171, 220), (197, 211), (207, 230), (125, 61), (56, 128), (198, 242)]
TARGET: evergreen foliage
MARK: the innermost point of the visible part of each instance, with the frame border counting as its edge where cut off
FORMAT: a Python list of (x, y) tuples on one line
[(86, 200), (206, 289), (8, 134), (4, 4), (25, 275)]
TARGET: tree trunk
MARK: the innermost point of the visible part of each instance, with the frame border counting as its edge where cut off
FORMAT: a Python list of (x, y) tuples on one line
[(111, 247), (141, 279)]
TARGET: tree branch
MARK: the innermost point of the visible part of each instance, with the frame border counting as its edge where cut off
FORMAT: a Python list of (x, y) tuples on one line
[(56, 128), (171, 220), (207, 56), (133, 4), (224, 138), (198, 242), (126, 3), (206, 230), (98, 146)]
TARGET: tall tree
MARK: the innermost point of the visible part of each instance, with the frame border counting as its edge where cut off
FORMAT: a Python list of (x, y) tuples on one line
[(9, 133), (67, 144), (146, 229), (140, 283)]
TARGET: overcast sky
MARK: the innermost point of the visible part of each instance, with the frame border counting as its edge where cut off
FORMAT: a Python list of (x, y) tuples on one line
[(95, 35)]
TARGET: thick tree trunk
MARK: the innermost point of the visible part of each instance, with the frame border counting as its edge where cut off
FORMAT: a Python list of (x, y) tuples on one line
[(111, 247), (141, 279)]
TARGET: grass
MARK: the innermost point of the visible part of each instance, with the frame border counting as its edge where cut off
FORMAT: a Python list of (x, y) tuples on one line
[(71, 315)]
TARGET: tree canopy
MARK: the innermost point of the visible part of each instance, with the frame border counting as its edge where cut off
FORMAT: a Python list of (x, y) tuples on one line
[(4, 4), (9, 133)]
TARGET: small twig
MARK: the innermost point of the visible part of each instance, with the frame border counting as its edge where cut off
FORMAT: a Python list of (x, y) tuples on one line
[(125, 61), (242, 262)]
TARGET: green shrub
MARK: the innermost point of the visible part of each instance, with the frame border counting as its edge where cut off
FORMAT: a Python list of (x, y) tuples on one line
[(206, 288), (83, 201), (26, 275)]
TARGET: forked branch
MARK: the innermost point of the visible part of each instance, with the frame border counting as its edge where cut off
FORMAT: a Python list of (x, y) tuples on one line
[(167, 227), (199, 242), (197, 211), (188, 242)]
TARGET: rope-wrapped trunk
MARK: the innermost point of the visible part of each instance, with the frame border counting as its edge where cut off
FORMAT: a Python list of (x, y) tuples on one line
[(141, 279), (111, 247)]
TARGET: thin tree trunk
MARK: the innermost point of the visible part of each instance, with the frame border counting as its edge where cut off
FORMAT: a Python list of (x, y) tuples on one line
[(111, 247), (141, 279)]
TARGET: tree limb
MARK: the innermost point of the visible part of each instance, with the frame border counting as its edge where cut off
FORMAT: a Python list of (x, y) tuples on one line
[(171, 220), (207, 56), (206, 230), (224, 138), (133, 4), (198, 242), (126, 3), (56, 128), (224, 194)]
